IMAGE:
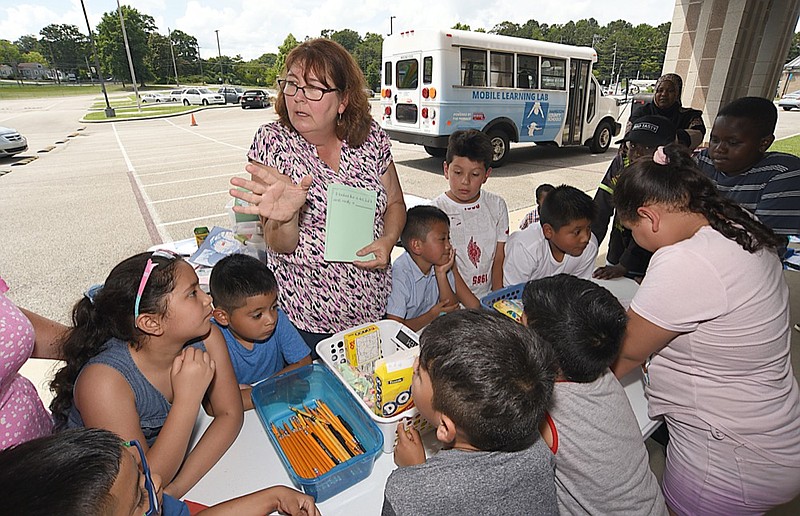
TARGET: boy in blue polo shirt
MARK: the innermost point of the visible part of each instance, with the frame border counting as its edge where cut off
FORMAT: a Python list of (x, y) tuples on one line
[(261, 340), (425, 281)]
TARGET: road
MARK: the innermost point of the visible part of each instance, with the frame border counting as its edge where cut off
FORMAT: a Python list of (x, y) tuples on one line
[(107, 191)]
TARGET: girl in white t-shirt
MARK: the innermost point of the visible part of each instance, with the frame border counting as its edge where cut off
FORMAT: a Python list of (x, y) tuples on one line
[(711, 320)]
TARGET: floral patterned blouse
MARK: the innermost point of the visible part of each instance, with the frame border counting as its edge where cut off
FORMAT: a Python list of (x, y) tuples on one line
[(320, 296), (22, 414)]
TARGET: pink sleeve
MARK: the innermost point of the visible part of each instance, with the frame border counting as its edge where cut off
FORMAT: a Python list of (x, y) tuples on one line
[(680, 290)]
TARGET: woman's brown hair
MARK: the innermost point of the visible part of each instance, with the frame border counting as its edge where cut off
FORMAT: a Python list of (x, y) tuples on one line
[(334, 67)]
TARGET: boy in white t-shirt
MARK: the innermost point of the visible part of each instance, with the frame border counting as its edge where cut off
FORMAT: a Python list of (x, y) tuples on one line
[(478, 219), (561, 243)]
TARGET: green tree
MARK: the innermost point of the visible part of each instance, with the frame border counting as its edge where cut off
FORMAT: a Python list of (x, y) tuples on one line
[(34, 57), (28, 43), (277, 69), (111, 46), (460, 26), (794, 48), (65, 46), (368, 56), (186, 53), (159, 58), (9, 53), (349, 39)]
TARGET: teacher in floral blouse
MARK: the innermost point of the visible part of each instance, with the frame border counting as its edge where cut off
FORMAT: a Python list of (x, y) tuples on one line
[(325, 134)]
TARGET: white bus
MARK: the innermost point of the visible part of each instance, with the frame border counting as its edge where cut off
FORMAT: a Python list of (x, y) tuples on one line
[(435, 82)]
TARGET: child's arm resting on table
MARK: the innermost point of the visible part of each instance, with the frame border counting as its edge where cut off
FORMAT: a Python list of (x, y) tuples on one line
[(642, 339), (226, 402), (266, 501), (417, 323)]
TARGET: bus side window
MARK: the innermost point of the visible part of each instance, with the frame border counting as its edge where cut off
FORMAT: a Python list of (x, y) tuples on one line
[(387, 73), (527, 71), (473, 67), (502, 70), (554, 74), (427, 70)]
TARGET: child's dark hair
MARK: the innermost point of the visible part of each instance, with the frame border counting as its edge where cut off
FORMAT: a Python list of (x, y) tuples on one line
[(564, 205), (680, 185), (110, 313), (493, 377), (70, 473), (542, 189), (583, 322), (419, 220), (237, 277), (760, 112), (471, 144)]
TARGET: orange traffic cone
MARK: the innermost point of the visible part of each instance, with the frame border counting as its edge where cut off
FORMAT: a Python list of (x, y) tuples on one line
[(194, 123)]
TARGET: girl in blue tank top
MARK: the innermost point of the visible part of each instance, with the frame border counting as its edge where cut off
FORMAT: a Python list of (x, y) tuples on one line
[(141, 357)]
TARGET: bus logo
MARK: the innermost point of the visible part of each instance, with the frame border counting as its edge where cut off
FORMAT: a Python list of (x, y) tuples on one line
[(535, 118)]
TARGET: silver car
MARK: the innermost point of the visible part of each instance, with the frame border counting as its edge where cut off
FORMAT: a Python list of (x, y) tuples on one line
[(11, 142), (790, 100)]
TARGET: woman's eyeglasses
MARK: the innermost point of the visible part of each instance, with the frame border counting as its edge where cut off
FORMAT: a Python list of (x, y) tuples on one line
[(155, 506), (314, 93), (148, 269)]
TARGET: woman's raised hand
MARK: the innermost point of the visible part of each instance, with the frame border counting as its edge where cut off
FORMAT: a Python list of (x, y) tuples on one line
[(271, 195)]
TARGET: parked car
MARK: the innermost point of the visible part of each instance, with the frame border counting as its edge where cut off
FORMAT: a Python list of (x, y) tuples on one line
[(153, 97), (790, 100), (11, 142), (370, 94), (201, 96), (255, 98), (232, 94), (175, 95)]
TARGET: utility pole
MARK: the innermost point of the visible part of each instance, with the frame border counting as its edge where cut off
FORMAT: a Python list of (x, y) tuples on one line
[(110, 113), (172, 51), (200, 60), (614, 65), (219, 53), (391, 29), (130, 60)]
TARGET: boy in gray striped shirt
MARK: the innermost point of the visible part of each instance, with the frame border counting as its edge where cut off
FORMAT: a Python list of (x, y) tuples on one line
[(765, 183)]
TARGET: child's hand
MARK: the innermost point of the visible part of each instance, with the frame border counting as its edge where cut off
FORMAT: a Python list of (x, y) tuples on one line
[(191, 373), (293, 502), (443, 269), (609, 272), (444, 306), (409, 450)]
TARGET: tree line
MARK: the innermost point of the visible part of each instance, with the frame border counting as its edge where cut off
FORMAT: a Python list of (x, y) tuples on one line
[(624, 50)]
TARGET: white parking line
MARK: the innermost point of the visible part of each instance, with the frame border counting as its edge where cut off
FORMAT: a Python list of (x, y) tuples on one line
[(207, 137), (151, 219), (205, 217), (187, 180), (190, 197), (54, 104)]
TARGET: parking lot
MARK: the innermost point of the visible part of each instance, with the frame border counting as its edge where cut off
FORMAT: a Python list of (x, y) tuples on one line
[(105, 191)]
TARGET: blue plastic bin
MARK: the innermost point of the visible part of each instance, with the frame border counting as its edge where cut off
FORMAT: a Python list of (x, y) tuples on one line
[(509, 292), (272, 399)]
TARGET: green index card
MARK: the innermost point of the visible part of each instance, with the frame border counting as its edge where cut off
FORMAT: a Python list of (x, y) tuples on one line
[(349, 222)]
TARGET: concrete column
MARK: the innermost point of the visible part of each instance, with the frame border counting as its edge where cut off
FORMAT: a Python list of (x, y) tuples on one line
[(726, 49)]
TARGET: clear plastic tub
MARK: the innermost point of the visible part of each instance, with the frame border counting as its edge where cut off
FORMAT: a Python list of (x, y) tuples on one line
[(272, 399)]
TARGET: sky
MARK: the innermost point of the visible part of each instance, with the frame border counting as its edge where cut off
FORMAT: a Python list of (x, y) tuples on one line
[(251, 28)]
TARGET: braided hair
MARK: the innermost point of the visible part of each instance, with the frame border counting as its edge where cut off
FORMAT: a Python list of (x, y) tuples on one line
[(680, 185)]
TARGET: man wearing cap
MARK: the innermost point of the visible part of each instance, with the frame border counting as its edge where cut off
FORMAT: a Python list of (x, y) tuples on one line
[(624, 257)]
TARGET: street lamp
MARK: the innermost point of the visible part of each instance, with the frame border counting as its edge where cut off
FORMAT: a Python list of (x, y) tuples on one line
[(219, 53), (110, 113), (390, 24), (130, 61)]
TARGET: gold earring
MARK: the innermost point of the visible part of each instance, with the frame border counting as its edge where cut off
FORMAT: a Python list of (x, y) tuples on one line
[(339, 121)]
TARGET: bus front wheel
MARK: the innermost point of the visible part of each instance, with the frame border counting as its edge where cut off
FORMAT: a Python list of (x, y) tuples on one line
[(500, 147), (436, 152), (601, 139)]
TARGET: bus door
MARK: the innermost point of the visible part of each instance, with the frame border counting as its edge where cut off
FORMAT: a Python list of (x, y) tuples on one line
[(406, 94), (578, 86)]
